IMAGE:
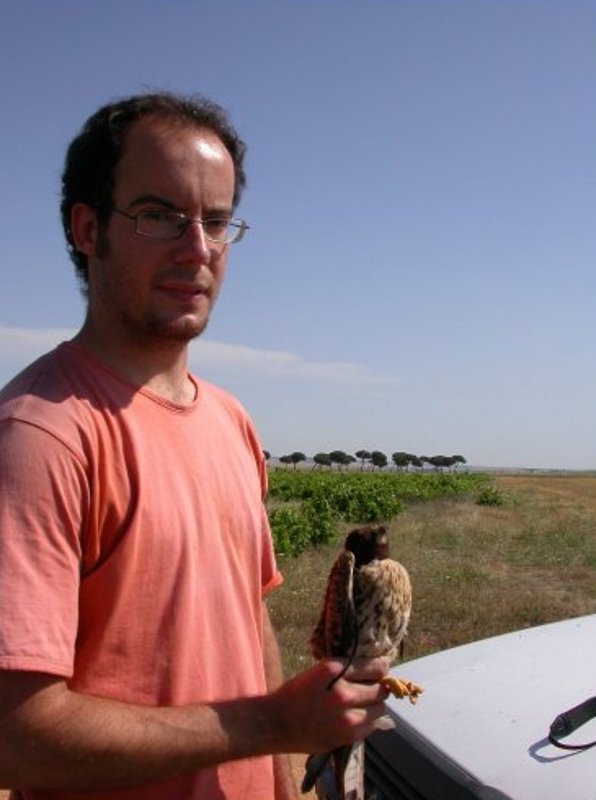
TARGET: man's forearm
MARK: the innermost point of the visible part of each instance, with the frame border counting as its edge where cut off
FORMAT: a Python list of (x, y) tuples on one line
[(63, 739), (52, 737)]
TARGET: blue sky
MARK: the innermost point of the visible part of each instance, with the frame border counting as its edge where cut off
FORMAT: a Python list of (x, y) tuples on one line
[(420, 270)]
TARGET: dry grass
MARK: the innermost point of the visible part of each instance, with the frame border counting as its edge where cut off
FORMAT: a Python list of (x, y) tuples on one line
[(477, 570)]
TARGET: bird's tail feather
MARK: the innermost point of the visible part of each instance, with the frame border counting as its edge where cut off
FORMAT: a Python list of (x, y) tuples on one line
[(315, 764), (334, 778)]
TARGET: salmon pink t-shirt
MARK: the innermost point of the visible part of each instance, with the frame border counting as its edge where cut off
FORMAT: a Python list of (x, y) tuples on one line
[(134, 550)]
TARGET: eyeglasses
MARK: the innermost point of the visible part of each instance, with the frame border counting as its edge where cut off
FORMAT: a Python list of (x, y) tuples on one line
[(163, 224)]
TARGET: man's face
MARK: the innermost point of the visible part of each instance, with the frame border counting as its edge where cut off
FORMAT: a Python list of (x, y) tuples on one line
[(151, 289)]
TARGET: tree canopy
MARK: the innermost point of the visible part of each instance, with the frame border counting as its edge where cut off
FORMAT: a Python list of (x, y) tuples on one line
[(400, 459)]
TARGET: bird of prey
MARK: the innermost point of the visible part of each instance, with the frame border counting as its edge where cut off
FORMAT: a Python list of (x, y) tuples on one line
[(365, 614)]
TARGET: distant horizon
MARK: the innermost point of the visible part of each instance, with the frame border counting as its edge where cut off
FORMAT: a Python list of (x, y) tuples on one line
[(467, 467)]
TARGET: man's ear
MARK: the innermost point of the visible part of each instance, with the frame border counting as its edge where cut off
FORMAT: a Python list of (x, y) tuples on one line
[(84, 228)]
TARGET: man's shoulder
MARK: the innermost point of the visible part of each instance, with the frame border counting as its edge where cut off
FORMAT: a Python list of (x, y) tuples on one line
[(50, 393), (224, 402), (40, 379), (218, 395), (233, 414)]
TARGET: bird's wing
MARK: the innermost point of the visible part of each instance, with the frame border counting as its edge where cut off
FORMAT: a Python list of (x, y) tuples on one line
[(383, 602), (335, 632)]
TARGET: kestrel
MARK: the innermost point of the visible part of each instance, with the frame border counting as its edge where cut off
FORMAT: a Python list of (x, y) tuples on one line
[(365, 614)]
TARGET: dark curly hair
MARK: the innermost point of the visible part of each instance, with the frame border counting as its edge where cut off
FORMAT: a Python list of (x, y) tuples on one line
[(92, 157)]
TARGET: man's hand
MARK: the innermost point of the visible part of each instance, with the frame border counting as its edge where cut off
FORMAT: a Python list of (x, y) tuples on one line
[(314, 717)]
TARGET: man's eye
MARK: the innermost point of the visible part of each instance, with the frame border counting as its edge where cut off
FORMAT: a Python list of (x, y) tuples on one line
[(160, 216), (215, 225)]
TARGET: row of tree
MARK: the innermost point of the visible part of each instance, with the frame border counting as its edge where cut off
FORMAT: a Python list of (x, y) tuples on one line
[(374, 459)]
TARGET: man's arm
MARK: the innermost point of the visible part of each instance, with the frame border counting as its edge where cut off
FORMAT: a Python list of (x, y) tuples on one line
[(285, 788), (51, 736)]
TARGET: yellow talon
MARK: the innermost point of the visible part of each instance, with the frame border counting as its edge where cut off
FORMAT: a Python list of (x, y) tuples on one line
[(400, 688)]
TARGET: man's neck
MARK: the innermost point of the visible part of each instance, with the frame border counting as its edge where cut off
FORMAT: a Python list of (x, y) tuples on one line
[(162, 368)]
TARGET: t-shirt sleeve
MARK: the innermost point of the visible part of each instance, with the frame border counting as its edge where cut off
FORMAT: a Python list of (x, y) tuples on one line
[(42, 486), (272, 578)]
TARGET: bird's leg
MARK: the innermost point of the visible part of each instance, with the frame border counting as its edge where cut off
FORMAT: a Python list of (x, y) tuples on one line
[(400, 688)]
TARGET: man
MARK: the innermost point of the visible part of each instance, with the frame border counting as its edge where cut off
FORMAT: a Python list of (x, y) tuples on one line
[(137, 658)]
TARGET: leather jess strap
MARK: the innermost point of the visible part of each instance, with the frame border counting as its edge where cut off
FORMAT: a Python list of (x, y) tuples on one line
[(569, 721)]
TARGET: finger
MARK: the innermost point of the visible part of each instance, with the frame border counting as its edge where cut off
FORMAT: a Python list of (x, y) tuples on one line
[(356, 691), (365, 721), (363, 695), (365, 670)]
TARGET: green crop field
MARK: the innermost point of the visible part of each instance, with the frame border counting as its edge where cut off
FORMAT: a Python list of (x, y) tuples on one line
[(486, 555), (307, 508)]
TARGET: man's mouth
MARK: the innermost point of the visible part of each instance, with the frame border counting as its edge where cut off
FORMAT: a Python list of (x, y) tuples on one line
[(183, 292)]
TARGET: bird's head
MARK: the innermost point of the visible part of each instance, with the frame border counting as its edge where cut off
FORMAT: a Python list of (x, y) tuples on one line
[(368, 543)]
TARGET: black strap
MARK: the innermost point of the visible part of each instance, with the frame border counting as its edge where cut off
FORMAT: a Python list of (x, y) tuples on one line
[(351, 658), (571, 720)]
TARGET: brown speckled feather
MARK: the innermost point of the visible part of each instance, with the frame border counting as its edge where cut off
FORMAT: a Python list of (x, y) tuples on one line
[(365, 614), (383, 602), (335, 630), (375, 600)]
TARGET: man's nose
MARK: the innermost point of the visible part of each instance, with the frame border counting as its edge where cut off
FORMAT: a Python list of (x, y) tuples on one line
[(193, 244)]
